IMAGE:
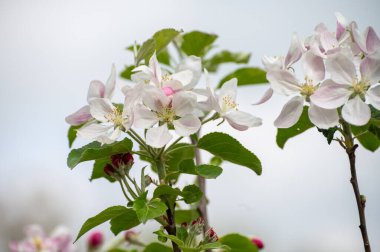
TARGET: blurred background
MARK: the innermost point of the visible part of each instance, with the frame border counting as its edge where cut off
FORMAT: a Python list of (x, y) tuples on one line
[(50, 50)]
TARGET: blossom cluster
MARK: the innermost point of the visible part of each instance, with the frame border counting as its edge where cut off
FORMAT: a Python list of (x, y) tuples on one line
[(161, 102), (340, 76)]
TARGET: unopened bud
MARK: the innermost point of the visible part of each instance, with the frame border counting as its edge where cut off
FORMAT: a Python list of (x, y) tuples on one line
[(211, 236), (109, 170), (95, 240), (133, 238), (198, 221), (148, 180), (116, 160), (258, 242), (127, 159)]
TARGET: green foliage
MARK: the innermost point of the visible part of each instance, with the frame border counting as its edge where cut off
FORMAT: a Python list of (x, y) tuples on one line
[(212, 64), (214, 245), (126, 74), (170, 237), (167, 194), (246, 76), (301, 126), (228, 148), (157, 247), (127, 220), (197, 43), (98, 170), (147, 210), (72, 134), (208, 171), (95, 150), (187, 216), (238, 243), (191, 194), (164, 57), (367, 136), (217, 161), (329, 133), (106, 215), (180, 152)]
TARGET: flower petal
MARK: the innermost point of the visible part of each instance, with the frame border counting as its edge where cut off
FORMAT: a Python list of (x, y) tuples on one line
[(80, 116), (158, 137), (96, 90), (290, 113), (183, 103), (229, 88), (267, 95), (313, 67), (155, 99), (100, 108), (93, 131), (370, 68), (356, 112), (294, 52), (340, 25), (372, 40), (194, 64), (110, 84), (241, 120), (331, 95), (341, 68), (187, 125), (358, 38), (144, 118), (272, 63), (155, 69), (283, 82), (373, 95), (323, 118)]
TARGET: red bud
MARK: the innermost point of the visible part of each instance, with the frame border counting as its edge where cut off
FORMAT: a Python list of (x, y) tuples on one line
[(95, 239), (128, 159), (258, 242), (109, 170)]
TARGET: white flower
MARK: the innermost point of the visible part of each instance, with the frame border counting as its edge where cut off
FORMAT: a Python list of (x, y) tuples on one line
[(176, 110), (96, 90), (348, 89), (285, 83), (111, 121)]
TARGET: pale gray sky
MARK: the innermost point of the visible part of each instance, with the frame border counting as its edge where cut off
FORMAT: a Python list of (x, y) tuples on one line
[(50, 51)]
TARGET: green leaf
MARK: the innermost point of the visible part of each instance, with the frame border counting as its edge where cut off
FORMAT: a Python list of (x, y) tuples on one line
[(229, 149), (301, 126), (329, 133), (208, 171), (187, 216), (125, 221), (365, 137), (246, 76), (98, 169), (182, 233), (147, 210), (157, 247), (164, 57), (238, 243), (187, 166), (95, 150), (374, 130), (72, 134), (180, 152), (212, 64), (126, 74), (167, 193), (191, 194), (214, 245), (146, 51), (217, 161), (171, 237), (197, 43), (100, 218)]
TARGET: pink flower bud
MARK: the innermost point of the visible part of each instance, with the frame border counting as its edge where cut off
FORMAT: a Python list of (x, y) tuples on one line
[(258, 242), (168, 91), (127, 159), (116, 159), (95, 240), (130, 235), (211, 236), (109, 170)]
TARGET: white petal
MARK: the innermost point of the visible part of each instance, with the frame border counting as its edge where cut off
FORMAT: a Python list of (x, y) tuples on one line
[(372, 40), (93, 131), (294, 52), (323, 118), (328, 41), (183, 103), (155, 99), (184, 77), (241, 120), (158, 137), (194, 64), (313, 67), (267, 95), (373, 95), (341, 68), (341, 24), (80, 116), (356, 112), (290, 113), (144, 118), (283, 82), (156, 69), (100, 107), (96, 90), (229, 88), (272, 63), (358, 38), (187, 125), (370, 69), (110, 84), (331, 95)]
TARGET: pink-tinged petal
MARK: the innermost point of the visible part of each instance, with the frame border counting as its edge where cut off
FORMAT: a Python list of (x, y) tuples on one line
[(373, 95), (212, 102), (93, 131), (320, 28), (315, 46), (341, 68), (283, 82), (272, 63), (96, 90), (313, 67), (341, 24), (294, 52), (155, 99), (323, 118), (34, 230), (100, 108), (358, 38), (290, 113), (194, 64), (158, 137), (331, 95), (370, 69), (356, 112), (110, 84), (184, 103), (267, 95), (328, 41), (241, 120), (187, 125), (144, 118), (80, 116), (168, 91), (372, 40), (156, 70)]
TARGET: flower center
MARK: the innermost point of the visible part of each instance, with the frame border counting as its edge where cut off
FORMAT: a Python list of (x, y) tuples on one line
[(307, 89), (167, 77), (228, 103), (37, 243), (166, 115), (360, 87), (116, 117)]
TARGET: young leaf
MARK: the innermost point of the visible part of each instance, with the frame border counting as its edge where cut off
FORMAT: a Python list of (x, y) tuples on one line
[(174, 158), (366, 137), (197, 43), (147, 210), (95, 150), (72, 134), (171, 237), (229, 149), (208, 171), (100, 218), (187, 216), (146, 51), (238, 243), (157, 247), (191, 194), (167, 193), (126, 74), (329, 133), (212, 64), (125, 221), (246, 76), (301, 126), (215, 245)]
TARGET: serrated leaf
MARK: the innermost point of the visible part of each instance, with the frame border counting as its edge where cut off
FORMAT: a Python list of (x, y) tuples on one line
[(229, 149), (127, 220), (95, 150), (197, 43), (238, 243), (212, 64), (72, 134), (208, 171), (100, 218), (146, 50), (191, 194), (147, 210), (157, 247), (167, 194), (246, 76), (303, 124), (98, 170), (187, 216)]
